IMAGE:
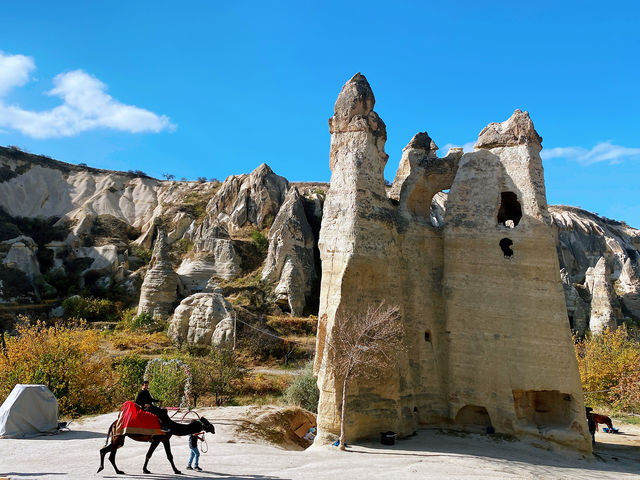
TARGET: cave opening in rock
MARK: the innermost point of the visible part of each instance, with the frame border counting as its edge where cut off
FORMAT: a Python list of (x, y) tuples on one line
[(510, 211), (543, 408), (427, 335), (571, 326), (474, 418), (505, 245)]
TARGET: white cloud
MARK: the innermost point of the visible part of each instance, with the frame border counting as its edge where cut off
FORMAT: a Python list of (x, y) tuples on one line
[(602, 152), (14, 71), (466, 147), (86, 106)]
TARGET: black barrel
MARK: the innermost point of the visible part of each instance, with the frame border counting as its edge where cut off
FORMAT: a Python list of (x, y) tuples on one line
[(387, 438)]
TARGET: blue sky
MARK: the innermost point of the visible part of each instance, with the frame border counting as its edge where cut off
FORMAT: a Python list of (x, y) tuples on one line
[(203, 88)]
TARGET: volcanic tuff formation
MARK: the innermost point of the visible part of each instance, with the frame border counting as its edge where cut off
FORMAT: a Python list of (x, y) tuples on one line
[(161, 284), (290, 260), (476, 354)]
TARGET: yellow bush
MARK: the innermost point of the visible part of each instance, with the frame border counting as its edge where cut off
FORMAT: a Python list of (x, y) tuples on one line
[(66, 359), (610, 366)]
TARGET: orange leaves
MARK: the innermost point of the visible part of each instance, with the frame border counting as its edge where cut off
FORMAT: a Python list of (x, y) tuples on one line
[(610, 362), (65, 358)]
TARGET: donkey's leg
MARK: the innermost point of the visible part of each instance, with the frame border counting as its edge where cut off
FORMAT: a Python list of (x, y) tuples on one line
[(167, 449), (152, 448), (116, 443)]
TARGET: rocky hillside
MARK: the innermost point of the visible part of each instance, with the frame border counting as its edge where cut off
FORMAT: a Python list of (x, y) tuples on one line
[(197, 253)]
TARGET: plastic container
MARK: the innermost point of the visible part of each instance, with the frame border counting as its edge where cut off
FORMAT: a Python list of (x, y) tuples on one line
[(388, 438)]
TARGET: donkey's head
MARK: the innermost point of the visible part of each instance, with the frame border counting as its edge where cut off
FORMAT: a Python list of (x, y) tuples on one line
[(207, 426)]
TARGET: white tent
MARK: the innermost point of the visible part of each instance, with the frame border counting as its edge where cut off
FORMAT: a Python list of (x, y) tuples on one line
[(29, 410)]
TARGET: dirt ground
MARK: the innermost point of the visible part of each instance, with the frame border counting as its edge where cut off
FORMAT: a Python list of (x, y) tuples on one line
[(235, 452)]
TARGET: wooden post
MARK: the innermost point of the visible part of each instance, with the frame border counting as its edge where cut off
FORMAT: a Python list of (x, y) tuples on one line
[(235, 326)]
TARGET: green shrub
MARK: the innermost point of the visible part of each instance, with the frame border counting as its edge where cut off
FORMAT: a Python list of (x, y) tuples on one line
[(14, 282), (303, 391), (169, 381), (130, 370), (91, 309), (259, 240), (144, 322), (142, 257)]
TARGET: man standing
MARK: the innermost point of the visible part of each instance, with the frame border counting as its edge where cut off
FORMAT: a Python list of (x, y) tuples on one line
[(146, 401)]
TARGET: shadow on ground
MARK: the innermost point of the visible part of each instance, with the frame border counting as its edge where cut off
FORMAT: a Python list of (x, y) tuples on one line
[(200, 476), (70, 435), (607, 457)]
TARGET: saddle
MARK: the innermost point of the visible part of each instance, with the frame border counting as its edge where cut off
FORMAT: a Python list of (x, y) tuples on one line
[(133, 419)]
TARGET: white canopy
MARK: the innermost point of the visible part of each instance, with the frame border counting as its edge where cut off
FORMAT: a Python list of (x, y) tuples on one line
[(29, 410)]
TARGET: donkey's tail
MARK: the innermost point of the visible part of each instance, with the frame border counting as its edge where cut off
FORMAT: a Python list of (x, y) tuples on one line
[(110, 433)]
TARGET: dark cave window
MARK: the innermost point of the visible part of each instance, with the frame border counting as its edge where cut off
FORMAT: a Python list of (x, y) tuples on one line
[(427, 335), (505, 245), (571, 322), (510, 211)]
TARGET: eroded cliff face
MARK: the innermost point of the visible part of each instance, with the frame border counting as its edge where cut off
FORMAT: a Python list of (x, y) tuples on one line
[(601, 258), (476, 354)]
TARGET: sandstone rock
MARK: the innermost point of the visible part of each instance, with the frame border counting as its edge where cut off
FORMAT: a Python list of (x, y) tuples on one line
[(583, 238), (223, 334), (212, 256), (518, 130), (480, 296), (160, 287), (420, 177), (22, 256), (244, 199), (290, 261), (577, 307), (197, 317), (602, 298), (103, 258)]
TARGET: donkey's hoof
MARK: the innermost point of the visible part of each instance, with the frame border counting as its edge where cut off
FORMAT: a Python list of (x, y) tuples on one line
[(177, 472), (100, 469), (144, 470), (119, 472)]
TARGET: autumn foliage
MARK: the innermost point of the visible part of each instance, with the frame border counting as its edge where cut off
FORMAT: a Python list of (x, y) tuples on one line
[(610, 369), (64, 358)]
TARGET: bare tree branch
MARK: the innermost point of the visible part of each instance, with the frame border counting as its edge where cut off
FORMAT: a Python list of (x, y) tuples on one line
[(363, 346)]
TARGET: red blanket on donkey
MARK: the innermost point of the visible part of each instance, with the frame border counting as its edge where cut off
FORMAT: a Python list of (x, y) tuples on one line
[(133, 419)]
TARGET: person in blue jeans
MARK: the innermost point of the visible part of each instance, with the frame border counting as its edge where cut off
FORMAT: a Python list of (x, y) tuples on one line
[(195, 454)]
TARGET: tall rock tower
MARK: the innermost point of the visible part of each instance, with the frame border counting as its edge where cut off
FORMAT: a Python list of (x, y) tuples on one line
[(487, 338)]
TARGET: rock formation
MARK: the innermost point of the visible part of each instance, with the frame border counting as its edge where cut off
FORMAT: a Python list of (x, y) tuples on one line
[(22, 256), (203, 318), (252, 199), (290, 263), (212, 256), (487, 342), (583, 239), (159, 290), (598, 281)]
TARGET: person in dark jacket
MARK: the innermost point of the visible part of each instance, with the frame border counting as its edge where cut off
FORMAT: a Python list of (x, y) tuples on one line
[(144, 398), (194, 453), (146, 401)]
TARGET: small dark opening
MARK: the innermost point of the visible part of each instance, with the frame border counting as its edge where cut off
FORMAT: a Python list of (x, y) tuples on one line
[(427, 335), (510, 211), (571, 322), (415, 409), (505, 245)]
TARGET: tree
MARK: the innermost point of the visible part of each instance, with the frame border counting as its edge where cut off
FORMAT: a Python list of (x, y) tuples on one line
[(363, 346), (226, 371), (169, 176)]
